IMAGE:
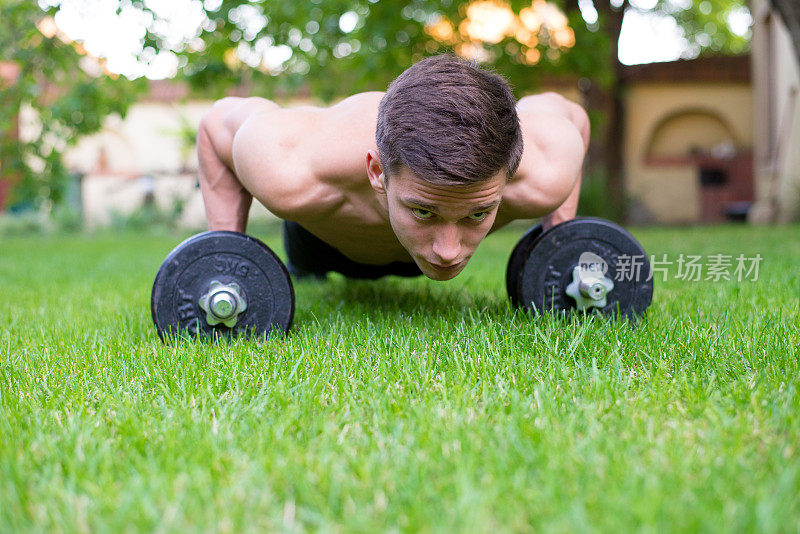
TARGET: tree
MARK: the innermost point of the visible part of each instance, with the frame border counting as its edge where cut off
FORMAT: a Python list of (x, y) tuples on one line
[(334, 47), (69, 98)]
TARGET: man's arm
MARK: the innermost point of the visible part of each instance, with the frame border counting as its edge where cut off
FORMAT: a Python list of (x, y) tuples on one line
[(567, 211), (227, 202), (547, 184)]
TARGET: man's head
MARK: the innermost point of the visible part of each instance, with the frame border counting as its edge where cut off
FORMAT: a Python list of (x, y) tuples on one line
[(449, 122), (448, 138)]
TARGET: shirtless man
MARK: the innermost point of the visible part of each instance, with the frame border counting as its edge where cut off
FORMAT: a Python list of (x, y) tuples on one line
[(405, 182)]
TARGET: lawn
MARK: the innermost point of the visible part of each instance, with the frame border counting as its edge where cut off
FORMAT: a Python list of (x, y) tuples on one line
[(400, 404)]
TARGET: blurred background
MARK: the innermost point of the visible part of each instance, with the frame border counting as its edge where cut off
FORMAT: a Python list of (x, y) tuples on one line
[(694, 103)]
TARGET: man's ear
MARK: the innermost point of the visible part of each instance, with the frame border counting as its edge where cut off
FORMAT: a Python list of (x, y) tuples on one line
[(375, 172)]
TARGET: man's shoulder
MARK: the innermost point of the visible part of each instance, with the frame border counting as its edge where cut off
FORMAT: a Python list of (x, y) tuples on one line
[(335, 150), (369, 99), (547, 103), (551, 128)]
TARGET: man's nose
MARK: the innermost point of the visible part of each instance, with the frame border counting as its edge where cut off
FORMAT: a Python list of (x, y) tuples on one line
[(447, 245)]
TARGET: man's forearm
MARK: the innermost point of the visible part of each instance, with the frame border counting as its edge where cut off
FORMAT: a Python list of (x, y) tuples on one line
[(227, 202), (565, 211)]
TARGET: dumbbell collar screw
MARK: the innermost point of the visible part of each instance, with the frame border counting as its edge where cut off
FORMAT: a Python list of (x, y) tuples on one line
[(588, 289), (223, 303)]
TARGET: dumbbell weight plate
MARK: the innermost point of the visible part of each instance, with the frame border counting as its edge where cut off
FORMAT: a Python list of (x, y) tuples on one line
[(221, 259), (548, 269), (518, 255)]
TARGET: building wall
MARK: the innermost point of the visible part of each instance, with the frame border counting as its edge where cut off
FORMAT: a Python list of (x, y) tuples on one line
[(145, 154), (776, 85), (666, 126), (148, 140)]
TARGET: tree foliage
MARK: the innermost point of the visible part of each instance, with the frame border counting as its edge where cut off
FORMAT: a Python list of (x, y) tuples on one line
[(68, 102), (388, 36)]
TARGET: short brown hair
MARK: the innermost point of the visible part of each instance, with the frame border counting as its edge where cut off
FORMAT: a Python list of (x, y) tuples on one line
[(450, 122)]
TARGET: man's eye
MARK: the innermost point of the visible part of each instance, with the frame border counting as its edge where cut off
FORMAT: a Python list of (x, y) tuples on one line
[(420, 213), (479, 216)]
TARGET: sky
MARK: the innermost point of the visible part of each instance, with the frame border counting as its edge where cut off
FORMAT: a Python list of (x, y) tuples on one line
[(645, 38)]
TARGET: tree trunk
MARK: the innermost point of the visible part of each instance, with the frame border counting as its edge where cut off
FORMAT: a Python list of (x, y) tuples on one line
[(606, 151)]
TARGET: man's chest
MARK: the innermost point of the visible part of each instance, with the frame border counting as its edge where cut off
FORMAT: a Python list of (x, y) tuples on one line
[(360, 241), (355, 227)]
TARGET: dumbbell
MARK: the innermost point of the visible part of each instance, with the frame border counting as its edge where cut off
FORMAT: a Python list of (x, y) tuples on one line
[(221, 284), (224, 284), (586, 264)]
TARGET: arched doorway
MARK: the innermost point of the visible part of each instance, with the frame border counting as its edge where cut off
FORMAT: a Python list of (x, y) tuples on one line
[(702, 139)]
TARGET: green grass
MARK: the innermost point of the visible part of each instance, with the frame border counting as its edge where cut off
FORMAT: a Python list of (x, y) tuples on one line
[(400, 404)]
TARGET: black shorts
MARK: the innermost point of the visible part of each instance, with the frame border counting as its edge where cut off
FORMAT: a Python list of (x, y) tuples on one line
[(308, 255)]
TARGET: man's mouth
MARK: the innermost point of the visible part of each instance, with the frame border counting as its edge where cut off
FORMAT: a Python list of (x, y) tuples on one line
[(446, 268)]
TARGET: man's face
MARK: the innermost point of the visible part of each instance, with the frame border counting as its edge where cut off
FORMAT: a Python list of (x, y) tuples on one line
[(441, 226)]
